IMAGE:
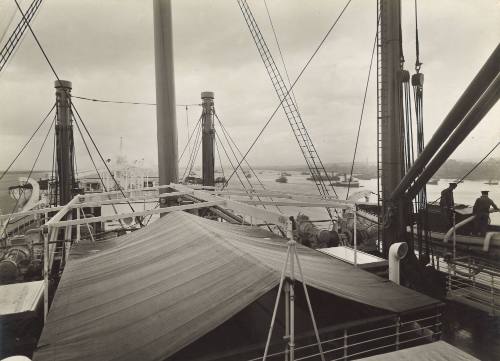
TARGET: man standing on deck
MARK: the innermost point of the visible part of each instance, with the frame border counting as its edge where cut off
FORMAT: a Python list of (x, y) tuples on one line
[(447, 204), (481, 210)]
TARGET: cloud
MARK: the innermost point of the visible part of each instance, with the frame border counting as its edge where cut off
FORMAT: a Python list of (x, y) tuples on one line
[(106, 50)]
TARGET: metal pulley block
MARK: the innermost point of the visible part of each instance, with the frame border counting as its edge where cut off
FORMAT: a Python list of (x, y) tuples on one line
[(417, 80)]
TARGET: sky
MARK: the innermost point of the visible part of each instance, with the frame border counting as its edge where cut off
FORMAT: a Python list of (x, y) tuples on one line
[(105, 48)]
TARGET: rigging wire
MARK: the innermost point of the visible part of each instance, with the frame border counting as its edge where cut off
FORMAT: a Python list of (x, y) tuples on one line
[(189, 140), (97, 100), (72, 105), (418, 63), (52, 178), (192, 151), (102, 158), (27, 179), (220, 160), (472, 169), (95, 167), (28, 141), (362, 112), (232, 165), (289, 90), (280, 52)]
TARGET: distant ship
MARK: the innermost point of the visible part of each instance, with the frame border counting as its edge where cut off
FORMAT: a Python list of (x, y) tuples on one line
[(491, 182), (282, 178), (433, 181)]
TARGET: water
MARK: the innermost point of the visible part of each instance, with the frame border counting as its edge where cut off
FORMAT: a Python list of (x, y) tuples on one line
[(467, 329)]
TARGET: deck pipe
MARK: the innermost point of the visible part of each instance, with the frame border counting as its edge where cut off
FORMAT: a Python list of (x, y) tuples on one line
[(471, 95), (480, 109), (166, 122), (397, 252)]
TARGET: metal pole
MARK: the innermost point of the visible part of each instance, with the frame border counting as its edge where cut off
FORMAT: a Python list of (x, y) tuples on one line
[(64, 141), (345, 343), (208, 135), (166, 121), (454, 238), (78, 230), (397, 333), (391, 108), (355, 238), (287, 318), (46, 275)]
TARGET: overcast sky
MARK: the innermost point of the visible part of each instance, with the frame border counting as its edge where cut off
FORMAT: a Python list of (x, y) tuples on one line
[(106, 49)]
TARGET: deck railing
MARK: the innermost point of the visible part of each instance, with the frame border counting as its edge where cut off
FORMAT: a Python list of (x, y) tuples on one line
[(475, 283), (363, 339)]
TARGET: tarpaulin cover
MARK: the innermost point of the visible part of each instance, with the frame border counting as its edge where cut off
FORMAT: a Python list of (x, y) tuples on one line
[(436, 351), (148, 294)]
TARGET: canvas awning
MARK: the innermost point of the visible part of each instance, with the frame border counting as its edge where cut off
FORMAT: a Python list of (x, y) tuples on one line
[(148, 294)]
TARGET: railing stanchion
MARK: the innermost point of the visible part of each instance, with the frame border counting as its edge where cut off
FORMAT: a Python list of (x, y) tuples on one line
[(345, 343), (492, 294), (397, 332)]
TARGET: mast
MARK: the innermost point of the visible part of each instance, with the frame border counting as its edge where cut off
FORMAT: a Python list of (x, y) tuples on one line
[(390, 113), (166, 123), (64, 141), (208, 138)]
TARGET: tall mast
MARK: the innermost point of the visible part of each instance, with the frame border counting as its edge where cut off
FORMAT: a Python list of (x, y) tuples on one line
[(390, 112), (64, 141), (166, 123), (208, 135)]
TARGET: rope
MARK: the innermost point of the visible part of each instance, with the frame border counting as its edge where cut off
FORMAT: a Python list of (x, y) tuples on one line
[(96, 100), (281, 54), (472, 169), (37, 41), (28, 141), (95, 167), (362, 112), (102, 158), (477, 165), (220, 159), (72, 105), (289, 90), (189, 139), (191, 154), (418, 64)]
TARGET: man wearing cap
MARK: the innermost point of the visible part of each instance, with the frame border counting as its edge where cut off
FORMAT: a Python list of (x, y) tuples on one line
[(481, 210), (447, 204)]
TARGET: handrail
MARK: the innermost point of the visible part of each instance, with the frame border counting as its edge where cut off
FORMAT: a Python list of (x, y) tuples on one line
[(457, 226), (396, 325)]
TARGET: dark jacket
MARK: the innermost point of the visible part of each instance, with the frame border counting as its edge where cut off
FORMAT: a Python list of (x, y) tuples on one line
[(483, 204)]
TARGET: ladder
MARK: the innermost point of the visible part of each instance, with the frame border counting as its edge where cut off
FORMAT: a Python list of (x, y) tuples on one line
[(17, 34), (300, 132)]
